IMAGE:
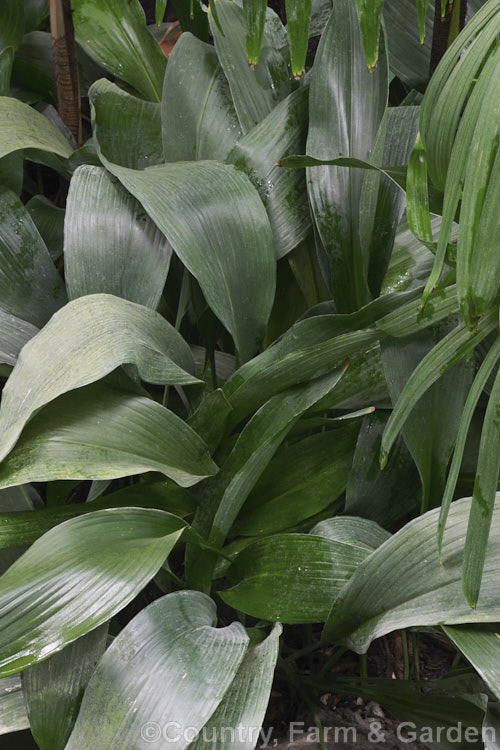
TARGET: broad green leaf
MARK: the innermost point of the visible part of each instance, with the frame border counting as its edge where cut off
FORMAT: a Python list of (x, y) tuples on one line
[(346, 105), (370, 14), (452, 348), (11, 171), (19, 527), (382, 202), (30, 287), (76, 577), (114, 34), (99, 433), (487, 368), (231, 254), (163, 676), (408, 58), (282, 191), (244, 704), (49, 220), (298, 14), (483, 497), (431, 429), (110, 245), (14, 334), (403, 583), (360, 532), (22, 126), (480, 644), (255, 18), (388, 497), (129, 127), (302, 480), (198, 116), (83, 342), (53, 689), (291, 578), (255, 91), (13, 716)]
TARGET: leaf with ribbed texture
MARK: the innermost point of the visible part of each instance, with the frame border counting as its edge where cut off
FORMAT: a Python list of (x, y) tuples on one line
[(370, 14), (298, 14), (382, 202), (283, 191), (53, 689), (409, 318), (110, 245), (245, 702), (431, 429), (24, 127), (346, 105), (255, 18), (483, 497), (291, 578), (230, 252), (360, 532), (198, 116), (408, 58), (11, 34), (410, 262), (129, 127), (13, 716), (404, 584), (452, 348), (163, 676), (76, 577), (14, 334), (255, 91), (114, 34), (19, 527), (480, 644), (417, 196), (49, 220), (84, 341), (97, 432), (302, 480), (30, 287)]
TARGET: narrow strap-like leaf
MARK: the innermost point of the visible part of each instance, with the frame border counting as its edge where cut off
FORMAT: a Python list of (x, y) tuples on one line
[(298, 16), (255, 18)]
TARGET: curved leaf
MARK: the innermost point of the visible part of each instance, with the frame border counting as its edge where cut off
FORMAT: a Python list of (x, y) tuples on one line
[(83, 342), (99, 433), (228, 250), (14, 334), (24, 127), (162, 678), (76, 577), (114, 34), (110, 245), (198, 116), (404, 584), (129, 127)]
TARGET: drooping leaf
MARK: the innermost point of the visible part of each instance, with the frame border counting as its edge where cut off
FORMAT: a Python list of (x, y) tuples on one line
[(230, 253), (291, 578), (53, 689), (370, 14), (198, 116), (166, 672), (303, 479), (22, 126), (30, 287), (245, 702), (404, 584), (408, 58), (83, 342), (360, 532), (346, 105), (76, 577), (282, 191), (417, 196), (480, 644), (129, 127), (255, 91), (97, 432), (110, 245), (114, 34)]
